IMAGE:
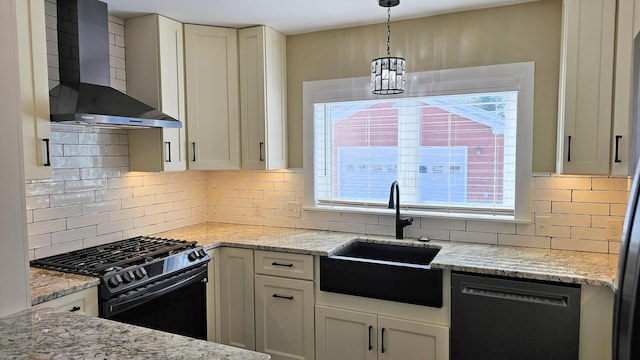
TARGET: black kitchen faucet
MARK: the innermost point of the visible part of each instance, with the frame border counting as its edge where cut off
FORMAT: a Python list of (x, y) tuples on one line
[(400, 221)]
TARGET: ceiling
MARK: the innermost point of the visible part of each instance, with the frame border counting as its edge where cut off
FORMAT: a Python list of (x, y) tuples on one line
[(292, 16)]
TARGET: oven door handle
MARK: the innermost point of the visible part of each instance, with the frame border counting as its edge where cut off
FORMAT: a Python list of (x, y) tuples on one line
[(113, 309)]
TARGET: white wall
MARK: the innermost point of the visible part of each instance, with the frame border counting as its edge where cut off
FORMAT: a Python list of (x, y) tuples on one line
[(14, 278)]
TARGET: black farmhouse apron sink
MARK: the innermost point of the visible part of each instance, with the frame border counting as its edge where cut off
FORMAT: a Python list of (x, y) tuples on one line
[(382, 271)]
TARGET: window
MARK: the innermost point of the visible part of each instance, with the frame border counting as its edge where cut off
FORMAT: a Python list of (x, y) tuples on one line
[(458, 142)]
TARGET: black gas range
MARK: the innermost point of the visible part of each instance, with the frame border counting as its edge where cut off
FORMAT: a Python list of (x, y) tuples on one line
[(148, 281)]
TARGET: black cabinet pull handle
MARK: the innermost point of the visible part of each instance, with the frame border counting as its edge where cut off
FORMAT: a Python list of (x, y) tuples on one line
[(370, 330), (281, 264), (75, 308), (617, 159), (282, 297), (382, 350), (261, 146), (48, 156), (193, 145), (569, 149), (167, 145)]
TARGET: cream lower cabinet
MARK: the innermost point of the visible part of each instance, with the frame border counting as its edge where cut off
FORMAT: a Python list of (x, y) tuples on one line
[(213, 289), (82, 302), (284, 317), (236, 298), (348, 335)]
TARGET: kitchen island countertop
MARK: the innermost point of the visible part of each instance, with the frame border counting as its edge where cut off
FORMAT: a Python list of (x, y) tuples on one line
[(48, 334)]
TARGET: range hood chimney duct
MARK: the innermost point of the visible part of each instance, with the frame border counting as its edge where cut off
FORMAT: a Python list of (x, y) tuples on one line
[(84, 95)]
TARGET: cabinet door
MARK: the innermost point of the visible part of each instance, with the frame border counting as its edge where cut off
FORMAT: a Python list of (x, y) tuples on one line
[(408, 340), (213, 120), (284, 317), (586, 86), (345, 335), (34, 88), (236, 298), (212, 298), (155, 76), (263, 96)]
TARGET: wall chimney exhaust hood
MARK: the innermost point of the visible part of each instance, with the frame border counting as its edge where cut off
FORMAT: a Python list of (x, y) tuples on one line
[(84, 95)]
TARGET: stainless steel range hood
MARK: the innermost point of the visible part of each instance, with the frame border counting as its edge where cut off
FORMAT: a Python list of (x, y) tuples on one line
[(84, 95)]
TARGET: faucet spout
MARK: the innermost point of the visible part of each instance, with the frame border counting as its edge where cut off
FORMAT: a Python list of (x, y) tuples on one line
[(401, 222)]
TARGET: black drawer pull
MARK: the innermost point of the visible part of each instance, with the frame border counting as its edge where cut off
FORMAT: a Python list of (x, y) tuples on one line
[(617, 159), (282, 297), (48, 153), (370, 330), (281, 264), (382, 350), (261, 146), (569, 149), (193, 145), (167, 155), (75, 308)]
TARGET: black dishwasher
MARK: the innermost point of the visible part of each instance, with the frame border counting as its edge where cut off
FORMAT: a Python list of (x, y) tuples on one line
[(500, 318)]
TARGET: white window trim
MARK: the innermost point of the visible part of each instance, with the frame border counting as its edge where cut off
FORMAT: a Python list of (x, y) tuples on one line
[(503, 77)]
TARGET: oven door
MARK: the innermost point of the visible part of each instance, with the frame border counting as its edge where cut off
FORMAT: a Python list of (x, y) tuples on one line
[(176, 305)]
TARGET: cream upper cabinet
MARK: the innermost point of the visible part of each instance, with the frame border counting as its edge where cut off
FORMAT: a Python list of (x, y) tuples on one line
[(34, 88), (263, 98), (346, 334), (236, 298), (213, 119), (155, 76), (586, 86)]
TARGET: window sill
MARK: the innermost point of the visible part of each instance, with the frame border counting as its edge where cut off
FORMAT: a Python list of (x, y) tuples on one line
[(420, 214)]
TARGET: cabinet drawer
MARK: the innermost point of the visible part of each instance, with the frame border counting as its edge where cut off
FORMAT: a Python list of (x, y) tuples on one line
[(82, 302), (295, 266)]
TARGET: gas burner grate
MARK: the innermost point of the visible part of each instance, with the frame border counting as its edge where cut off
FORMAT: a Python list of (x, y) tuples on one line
[(93, 261)]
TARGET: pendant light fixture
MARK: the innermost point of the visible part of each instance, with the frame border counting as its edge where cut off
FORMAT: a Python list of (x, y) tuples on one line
[(388, 73)]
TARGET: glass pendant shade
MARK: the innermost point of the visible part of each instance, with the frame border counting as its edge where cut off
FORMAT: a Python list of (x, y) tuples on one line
[(388, 75)]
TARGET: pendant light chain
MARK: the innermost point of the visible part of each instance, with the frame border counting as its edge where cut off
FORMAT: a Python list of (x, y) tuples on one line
[(389, 32)]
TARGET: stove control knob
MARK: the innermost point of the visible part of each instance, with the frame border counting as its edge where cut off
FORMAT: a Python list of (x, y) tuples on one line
[(193, 256), (140, 273), (202, 253), (128, 277), (114, 281)]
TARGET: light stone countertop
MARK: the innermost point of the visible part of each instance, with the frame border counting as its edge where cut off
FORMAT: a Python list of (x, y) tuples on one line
[(48, 285), (539, 264), (47, 334)]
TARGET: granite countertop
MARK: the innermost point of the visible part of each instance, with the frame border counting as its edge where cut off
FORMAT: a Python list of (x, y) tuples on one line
[(48, 334), (48, 285), (540, 264)]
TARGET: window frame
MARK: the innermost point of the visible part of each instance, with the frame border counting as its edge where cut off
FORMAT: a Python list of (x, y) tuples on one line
[(491, 78)]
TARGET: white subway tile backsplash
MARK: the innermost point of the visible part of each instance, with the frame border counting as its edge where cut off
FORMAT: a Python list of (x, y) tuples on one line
[(491, 227), (527, 241), (57, 213), (101, 206), (100, 173), (71, 198), (602, 196), (73, 234), (474, 237), (580, 245), (85, 185), (115, 226), (46, 227), (617, 184), (87, 220)]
